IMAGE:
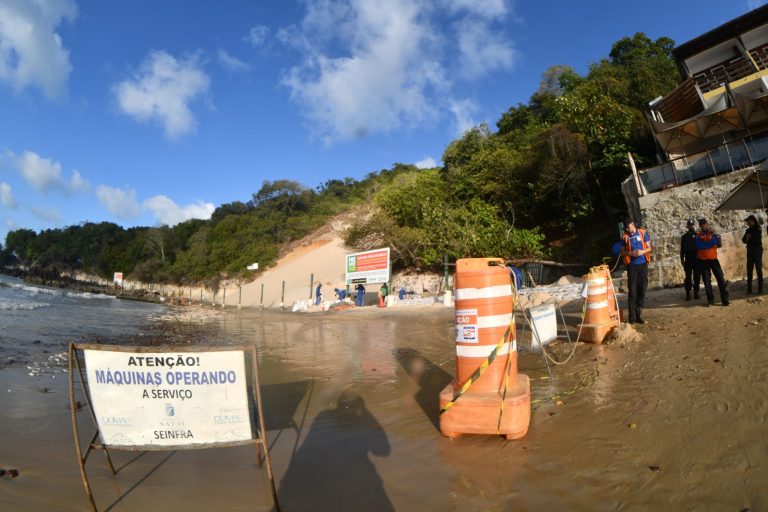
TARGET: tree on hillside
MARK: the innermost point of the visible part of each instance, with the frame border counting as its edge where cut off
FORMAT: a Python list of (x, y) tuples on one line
[(638, 70), (155, 241), (421, 218), (18, 243), (284, 195), (233, 208)]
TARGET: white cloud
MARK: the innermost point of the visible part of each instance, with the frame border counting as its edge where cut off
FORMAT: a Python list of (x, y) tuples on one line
[(44, 175), (257, 36), (232, 63), (31, 51), (384, 79), (162, 90), (168, 212), (120, 203), (481, 49), (77, 183), (485, 9), (374, 66), (50, 215), (426, 163), (6, 196), (463, 112)]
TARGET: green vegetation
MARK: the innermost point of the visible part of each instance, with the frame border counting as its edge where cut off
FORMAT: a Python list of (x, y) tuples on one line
[(552, 169)]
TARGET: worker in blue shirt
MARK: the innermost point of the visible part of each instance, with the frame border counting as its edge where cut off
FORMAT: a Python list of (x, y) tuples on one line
[(318, 293), (360, 294), (636, 253)]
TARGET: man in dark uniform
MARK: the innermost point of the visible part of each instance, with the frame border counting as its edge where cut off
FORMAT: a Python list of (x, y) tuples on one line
[(636, 253), (753, 240), (689, 261), (707, 242)]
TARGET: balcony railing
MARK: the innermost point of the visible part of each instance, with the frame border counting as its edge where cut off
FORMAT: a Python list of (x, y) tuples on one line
[(728, 71), (707, 164)]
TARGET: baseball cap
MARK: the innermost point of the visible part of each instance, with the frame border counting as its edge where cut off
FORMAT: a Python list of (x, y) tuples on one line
[(690, 222), (752, 218)]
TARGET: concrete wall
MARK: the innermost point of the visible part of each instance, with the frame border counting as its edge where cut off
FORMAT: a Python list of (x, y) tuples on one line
[(664, 214)]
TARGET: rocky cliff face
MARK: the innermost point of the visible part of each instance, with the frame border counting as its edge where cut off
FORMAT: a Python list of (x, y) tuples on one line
[(664, 214)]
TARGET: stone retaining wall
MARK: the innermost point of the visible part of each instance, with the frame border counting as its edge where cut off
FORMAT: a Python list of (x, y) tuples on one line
[(664, 214)]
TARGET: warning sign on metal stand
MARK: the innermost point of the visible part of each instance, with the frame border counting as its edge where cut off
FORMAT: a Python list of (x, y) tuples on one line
[(158, 398)]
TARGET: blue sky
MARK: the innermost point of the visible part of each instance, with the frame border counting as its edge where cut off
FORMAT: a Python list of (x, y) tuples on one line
[(143, 113)]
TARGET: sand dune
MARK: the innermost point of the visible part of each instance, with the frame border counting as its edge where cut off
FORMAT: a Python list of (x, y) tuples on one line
[(324, 258)]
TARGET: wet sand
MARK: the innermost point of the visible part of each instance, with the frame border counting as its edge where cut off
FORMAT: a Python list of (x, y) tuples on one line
[(675, 421)]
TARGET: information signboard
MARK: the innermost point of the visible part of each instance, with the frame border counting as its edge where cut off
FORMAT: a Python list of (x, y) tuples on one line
[(368, 267), (118, 280), (544, 325), (161, 399)]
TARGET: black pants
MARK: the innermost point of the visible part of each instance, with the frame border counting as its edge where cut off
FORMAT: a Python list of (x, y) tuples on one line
[(755, 260), (709, 267), (692, 274), (637, 284)]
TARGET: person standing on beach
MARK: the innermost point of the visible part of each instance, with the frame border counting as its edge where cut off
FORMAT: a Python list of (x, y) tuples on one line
[(690, 261), (753, 240), (360, 294), (636, 253), (707, 242)]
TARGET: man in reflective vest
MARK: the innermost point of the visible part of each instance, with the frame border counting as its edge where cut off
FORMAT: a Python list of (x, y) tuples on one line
[(636, 253), (707, 242)]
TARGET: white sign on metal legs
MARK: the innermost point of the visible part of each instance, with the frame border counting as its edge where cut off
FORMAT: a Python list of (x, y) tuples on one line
[(169, 399), (544, 325)]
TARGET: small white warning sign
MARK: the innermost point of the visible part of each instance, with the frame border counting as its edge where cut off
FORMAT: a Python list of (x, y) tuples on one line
[(466, 326)]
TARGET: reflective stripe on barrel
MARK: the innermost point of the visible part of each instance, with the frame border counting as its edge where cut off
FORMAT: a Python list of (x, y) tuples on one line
[(597, 305), (489, 292), (483, 351)]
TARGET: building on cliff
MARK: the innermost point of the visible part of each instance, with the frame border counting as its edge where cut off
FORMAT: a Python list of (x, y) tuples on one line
[(711, 132)]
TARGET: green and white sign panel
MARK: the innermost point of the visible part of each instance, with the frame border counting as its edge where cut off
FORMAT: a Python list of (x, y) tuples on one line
[(368, 267), (169, 398)]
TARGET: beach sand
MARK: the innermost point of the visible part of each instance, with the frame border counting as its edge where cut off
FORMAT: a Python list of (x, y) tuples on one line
[(675, 420)]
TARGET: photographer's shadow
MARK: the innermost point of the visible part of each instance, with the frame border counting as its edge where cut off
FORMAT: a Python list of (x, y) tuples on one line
[(332, 469)]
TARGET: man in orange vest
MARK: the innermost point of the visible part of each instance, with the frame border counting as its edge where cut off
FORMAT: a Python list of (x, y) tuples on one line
[(636, 253), (707, 242)]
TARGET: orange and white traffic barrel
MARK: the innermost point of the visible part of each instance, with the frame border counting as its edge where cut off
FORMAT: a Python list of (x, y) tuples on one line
[(484, 306), (600, 314), (488, 396)]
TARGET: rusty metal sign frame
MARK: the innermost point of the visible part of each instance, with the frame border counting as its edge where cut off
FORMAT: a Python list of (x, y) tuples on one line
[(258, 434)]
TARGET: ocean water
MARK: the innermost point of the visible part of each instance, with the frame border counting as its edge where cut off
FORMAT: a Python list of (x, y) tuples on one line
[(37, 322)]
